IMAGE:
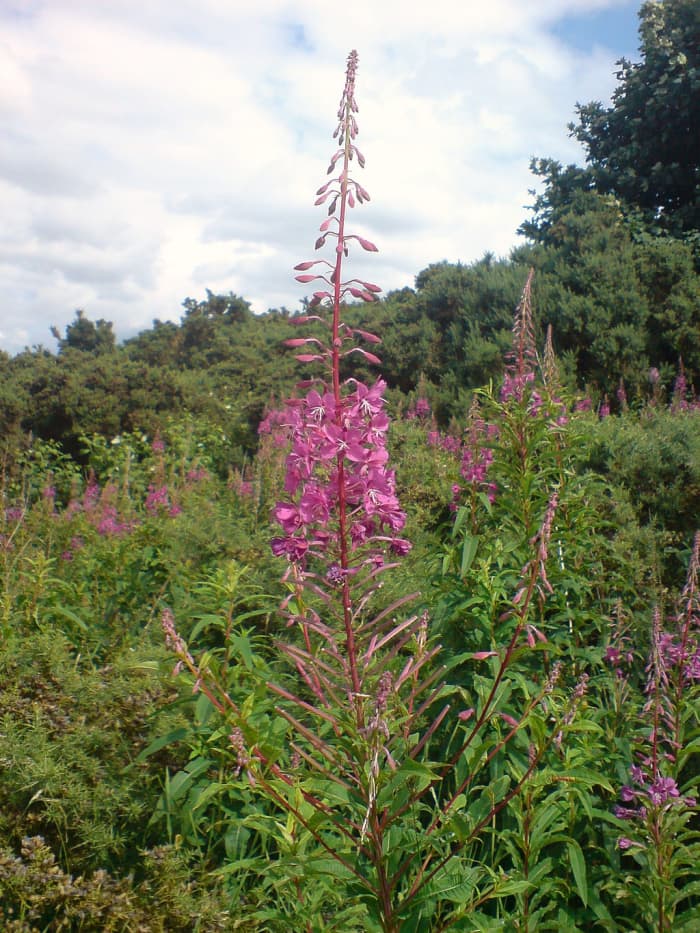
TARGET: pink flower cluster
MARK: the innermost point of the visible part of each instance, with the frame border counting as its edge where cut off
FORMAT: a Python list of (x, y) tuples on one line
[(76, 544), (674, 662), (101, 510), (514, 385), (644, 793), (242, 487), (274, 425), (421, 410), (158, 501), (336, 447), (447, 442), (197, 475)]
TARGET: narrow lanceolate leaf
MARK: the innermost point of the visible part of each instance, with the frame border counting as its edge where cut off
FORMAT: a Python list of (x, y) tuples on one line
[(578, 867), (320, 746), (309, 707)]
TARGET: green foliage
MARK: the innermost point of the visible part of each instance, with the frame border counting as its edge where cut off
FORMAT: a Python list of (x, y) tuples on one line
[(103, 766), (640, 150), (69, 729), (87, 336), (37, 894), (477, 792), (653, 459)]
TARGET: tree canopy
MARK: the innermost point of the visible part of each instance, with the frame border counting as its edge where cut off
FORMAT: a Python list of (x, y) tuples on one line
[(643, 149)]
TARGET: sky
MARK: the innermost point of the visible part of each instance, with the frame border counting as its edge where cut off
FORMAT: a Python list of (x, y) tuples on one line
[(154, 149)]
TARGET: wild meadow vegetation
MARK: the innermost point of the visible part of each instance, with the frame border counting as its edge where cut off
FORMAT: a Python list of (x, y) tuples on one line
[(295, 638)]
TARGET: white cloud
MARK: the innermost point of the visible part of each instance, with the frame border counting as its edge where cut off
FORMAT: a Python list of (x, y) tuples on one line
[(152, 150)]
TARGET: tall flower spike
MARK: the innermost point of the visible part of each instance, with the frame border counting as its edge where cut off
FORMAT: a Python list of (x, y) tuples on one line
[(521, 359), (550, 368), (342, 510), (523, 356)]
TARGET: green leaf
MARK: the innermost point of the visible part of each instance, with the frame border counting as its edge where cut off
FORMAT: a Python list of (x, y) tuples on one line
[(242, 647), (177, 735), (329, 866), (469, 548), (578, 866), (71, 616)]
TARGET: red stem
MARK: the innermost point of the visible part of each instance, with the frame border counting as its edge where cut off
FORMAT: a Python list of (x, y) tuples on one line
[(335, 364)]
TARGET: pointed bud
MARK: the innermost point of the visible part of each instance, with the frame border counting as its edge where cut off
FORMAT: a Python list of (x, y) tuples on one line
[(303, 266), (366, 244), (300, 341), (359, 293), (305, 318), (370, 357), (370, 338)]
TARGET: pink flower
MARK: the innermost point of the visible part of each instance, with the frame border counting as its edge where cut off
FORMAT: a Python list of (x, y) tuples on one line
[(157, 499), (287, 515), (422, 408), (662, 790)]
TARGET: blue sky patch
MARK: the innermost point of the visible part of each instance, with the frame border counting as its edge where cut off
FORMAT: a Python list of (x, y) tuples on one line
[(614, 28), (297, 37)]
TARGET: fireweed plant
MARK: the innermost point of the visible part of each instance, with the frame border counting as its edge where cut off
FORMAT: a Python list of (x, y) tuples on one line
[(384, 769), (657, 804)]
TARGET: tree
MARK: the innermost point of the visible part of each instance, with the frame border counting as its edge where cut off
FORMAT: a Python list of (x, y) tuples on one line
[(644, 150), (95, 337)]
